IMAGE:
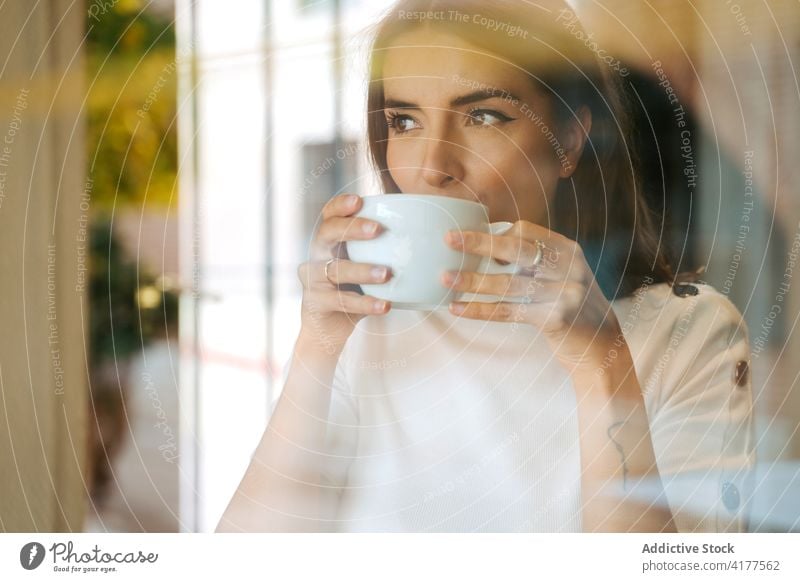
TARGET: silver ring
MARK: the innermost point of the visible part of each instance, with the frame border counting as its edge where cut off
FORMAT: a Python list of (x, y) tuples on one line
[(539, 253), (326, 271), (531, 270)]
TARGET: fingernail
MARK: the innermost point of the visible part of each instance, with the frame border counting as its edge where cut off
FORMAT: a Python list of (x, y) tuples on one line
[(352, 199), (457, 308), (456, 238), (370, 228), (452, 278), (379, 306), (379, 273)]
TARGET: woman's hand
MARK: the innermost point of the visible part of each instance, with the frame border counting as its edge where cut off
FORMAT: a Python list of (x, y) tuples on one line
[(329, 313), (560, 294), (566, 304)]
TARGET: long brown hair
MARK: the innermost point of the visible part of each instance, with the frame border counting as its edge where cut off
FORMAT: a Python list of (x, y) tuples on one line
[(601, 205)]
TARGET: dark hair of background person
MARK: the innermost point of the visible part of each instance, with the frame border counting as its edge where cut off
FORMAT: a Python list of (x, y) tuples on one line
[(601, 205)]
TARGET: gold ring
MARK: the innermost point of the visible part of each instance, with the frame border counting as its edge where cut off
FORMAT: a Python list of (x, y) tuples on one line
[(326, 271)]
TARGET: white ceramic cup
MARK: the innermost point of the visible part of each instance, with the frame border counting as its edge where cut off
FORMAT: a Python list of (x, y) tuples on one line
[(413, 244)]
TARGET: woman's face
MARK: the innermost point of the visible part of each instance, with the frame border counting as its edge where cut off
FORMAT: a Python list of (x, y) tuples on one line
[(463, 123)]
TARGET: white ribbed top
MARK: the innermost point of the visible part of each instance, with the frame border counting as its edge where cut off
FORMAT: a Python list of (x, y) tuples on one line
[(439, 423)]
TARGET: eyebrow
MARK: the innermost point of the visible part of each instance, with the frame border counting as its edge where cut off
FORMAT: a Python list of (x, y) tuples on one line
[(475, 96)]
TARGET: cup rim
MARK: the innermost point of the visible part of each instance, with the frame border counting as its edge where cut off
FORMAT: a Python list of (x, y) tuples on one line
[(418, 196)]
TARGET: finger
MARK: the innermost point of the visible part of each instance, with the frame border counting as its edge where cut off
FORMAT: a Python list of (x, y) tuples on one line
[(541, 298), (567, 292), (341, 205), (338, 229), (512, 249), (548, 317), (503, 285), (558, 257), (535, 291), (341, 271), (349, 302), (497, 311)]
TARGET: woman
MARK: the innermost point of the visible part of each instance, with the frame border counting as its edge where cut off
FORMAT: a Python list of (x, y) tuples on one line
[(617, 399)]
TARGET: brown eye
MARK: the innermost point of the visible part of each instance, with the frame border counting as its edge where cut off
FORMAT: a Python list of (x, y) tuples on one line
[(401, 123), (486, 117)]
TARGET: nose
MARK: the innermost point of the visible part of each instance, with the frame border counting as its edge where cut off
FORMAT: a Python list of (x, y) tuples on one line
[(442, 167)]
